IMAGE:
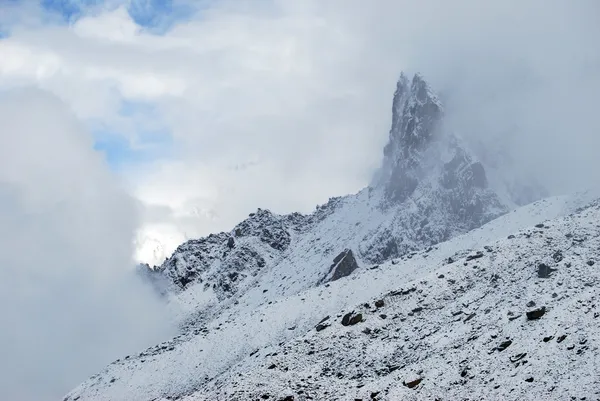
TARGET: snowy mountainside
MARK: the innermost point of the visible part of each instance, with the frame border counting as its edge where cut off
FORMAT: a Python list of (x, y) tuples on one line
[(265, 343), (272, 278), (429, 189)]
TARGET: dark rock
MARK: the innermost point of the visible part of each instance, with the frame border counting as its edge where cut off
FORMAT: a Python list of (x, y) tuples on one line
[(544, 271), (441, 276), (343, 265), (529, 380), (351, 319), (273, 366), (321, 326), (558, 256), (530, 304), (591, 263), (546, 339), (511, 237), (536, 313), (374, 394), (230, 243), (504, 345), (471, 316), (414, 383), (541, 225), (518, 357), (380, 303), (561, 338), (265, 396), (383, 316), (417, 309), (288, 398), (478, 255)]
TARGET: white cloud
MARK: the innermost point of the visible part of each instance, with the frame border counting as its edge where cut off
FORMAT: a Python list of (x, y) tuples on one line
[(284, 103), (69, 300)]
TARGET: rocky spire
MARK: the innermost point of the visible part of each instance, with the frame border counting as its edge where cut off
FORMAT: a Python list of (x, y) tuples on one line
[(416, 112)]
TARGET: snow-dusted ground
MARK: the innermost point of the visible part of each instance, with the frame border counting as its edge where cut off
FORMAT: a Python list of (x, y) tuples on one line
[(262, 341)]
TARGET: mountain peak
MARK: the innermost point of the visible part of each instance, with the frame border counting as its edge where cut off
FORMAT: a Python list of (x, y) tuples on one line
[(416, 113)]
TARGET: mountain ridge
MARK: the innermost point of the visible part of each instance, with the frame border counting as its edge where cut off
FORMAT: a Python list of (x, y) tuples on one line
[(264, 285)]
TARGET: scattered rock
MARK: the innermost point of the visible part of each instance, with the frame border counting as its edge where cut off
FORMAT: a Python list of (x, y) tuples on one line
[(558, 256), (561, 338), (414, 383), (471, 316), (379, 303), (544, 271), (351, 319), (478, 255), (504, 345), (536, 313), (321, 326), (518, 357)]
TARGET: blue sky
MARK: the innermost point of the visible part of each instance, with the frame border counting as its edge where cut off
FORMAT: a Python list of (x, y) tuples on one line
[(157, 17), (149, 145)]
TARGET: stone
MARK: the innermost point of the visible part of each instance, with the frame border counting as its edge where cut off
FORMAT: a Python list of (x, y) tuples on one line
[(351, 319), (504, 345), (536, 313), (544, 271), (414, 383), (343, 265)]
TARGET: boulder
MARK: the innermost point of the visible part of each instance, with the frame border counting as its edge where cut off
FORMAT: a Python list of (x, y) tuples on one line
[(343, 265)]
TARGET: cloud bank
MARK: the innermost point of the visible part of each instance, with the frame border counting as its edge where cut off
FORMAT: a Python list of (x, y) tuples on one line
[(281, 104), (69, 300)]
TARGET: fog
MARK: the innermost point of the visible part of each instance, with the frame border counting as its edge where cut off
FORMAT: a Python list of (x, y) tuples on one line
[(282, 104), (69, 302), (275, 104)]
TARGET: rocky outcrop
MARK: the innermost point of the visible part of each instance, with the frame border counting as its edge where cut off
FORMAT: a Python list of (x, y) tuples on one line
[(429, 189), (343, 265), (433, 185)]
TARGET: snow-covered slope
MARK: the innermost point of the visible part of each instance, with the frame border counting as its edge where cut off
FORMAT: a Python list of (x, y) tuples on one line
[(428, 190), (252, 297), (265, 343)]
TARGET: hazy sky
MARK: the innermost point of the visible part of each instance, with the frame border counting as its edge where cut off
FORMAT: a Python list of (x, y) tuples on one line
[(210, 109), (205, 110)]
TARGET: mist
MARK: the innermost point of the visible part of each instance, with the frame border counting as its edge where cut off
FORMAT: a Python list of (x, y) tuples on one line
[(69, 301), (283, 104)]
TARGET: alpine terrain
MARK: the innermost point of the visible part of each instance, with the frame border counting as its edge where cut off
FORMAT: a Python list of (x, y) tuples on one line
[(433, 283)]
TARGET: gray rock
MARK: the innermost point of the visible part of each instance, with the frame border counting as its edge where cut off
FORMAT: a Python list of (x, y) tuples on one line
[(343, 265)]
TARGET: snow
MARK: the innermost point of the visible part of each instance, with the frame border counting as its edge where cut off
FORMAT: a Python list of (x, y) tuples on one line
[(454, 267), (206, 360)]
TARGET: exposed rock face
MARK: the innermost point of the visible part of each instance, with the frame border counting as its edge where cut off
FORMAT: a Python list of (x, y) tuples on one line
[(343, 265), (429, 189), (435, 185)]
